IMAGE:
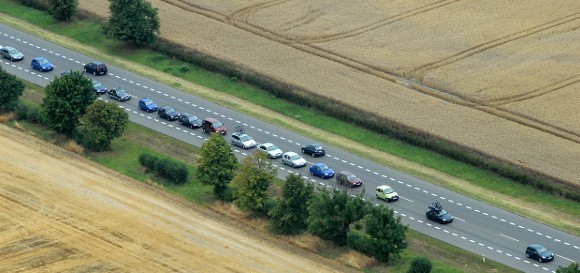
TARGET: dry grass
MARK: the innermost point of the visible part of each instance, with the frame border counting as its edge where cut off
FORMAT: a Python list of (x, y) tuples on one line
[(74, 147), (356, 259), (5, 118), (307, 242)]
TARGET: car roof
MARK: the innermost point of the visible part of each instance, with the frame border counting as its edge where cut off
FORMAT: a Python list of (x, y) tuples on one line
[(96, 62), (345, 173), (537, 246), (39, 58), (146, 99), (383, 187), (290, 153), (320, 164), (7, 47), (210, 119)]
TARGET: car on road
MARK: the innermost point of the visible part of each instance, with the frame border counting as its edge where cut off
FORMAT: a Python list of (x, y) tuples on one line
[(271, 150), (41, 64), (96, 68), (168, 113), (147, 105), (99, 88), (190, 120), (386, 193), (212, 125), (243, 140), (11, 53), (438, 214), (66, 72), (539, 252), (119, 94), (293, 159), (348, 179), (321, 170), (314, 150)]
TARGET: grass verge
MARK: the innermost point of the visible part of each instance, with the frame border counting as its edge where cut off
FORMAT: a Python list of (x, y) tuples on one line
[(457, 176)]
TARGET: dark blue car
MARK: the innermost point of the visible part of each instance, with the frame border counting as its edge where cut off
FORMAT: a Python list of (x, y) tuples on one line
[(41, 64), (321, 170), (147, 105), (99, 88)]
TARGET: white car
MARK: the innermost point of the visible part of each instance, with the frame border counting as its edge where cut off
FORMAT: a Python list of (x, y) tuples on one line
[(272, 150), (243, 140), (293, 159)]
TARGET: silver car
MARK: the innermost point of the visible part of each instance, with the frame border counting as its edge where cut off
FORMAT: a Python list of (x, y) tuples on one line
[(272, 150), (293, 159), (243, 140)]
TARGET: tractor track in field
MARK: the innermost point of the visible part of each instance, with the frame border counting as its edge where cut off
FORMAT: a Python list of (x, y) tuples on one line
[(240, 20)]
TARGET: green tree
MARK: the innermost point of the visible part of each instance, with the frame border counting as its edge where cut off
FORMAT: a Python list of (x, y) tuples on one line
[(387, 232), (252, 180), (133, 21), (331, 213), (571, 268), (11, 89), (66, 100), (102, 122), (217, 166), (420, 265), (291, 211), (63, 10)]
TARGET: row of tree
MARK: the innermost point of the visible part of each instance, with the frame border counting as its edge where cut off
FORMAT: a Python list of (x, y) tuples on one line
[(331, 215), (69, 107)]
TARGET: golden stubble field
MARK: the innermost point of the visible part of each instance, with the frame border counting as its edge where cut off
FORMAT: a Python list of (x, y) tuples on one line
[(63, 213), (499, 76)]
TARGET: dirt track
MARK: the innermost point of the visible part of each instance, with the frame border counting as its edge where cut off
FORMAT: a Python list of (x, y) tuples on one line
[(504, 73), (61, 213)]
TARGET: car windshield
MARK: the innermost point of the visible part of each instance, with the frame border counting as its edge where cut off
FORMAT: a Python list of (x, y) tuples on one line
[(324, 168), (442, 212), (296, 157), (170, 111), (97, 84), (542, 249), (317, 146), (271, 148), (121, 92), (148, 102), (217, 124), (351, 177), (193, 118), (13, 51), (246, 138), (389, 190), (43, 61)]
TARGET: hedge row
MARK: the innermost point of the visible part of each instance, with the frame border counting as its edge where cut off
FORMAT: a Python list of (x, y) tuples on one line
[(174, 171)]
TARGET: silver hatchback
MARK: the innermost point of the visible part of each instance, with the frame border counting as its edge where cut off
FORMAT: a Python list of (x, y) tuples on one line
[(293, 159)]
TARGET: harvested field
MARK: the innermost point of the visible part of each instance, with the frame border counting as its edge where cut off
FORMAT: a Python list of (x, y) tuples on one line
[(62, 213), (501, 77)]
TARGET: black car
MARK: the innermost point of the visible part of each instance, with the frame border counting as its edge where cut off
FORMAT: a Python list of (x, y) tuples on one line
[(438, 214), (540, 253), (168, 113), (313, 150), (119, 94), (189, 120), (96, 68)]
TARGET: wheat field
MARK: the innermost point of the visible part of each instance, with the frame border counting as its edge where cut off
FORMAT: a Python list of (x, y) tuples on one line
[(502, 77)]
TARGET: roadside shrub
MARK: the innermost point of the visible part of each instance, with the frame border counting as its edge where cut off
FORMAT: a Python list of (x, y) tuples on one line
[(420, 265), (29, 112), (360, 241), (148, 161), (184, 69), (173, 171), (43, 5)]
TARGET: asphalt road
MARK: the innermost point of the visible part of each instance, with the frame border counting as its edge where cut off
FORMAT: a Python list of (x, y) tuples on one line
[(488, 231)]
